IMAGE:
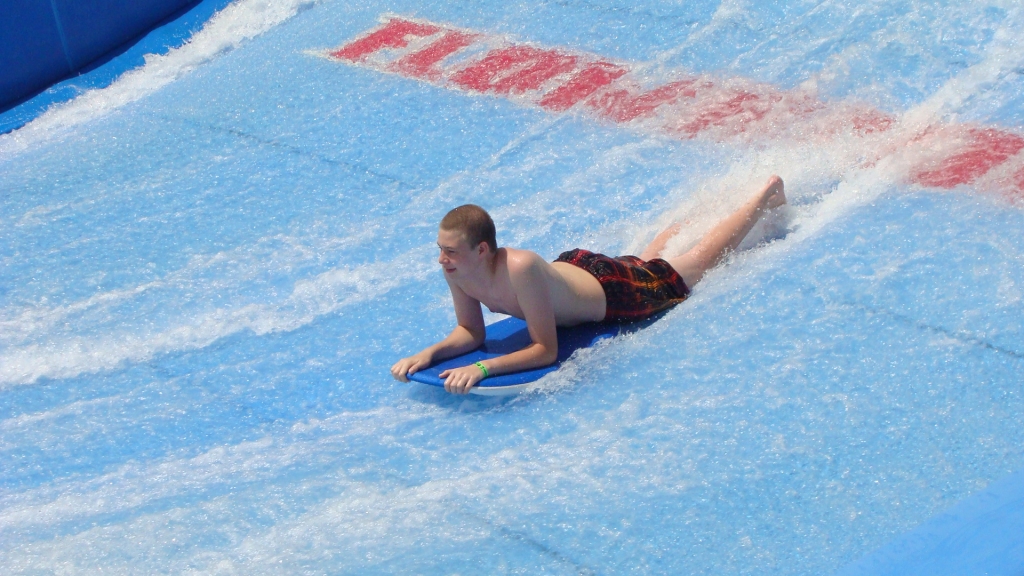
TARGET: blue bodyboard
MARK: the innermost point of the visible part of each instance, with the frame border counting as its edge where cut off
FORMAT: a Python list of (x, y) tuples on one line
[(509, 335)]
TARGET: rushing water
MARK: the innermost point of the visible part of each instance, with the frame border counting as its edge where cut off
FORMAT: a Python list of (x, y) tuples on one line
[(207, 268)]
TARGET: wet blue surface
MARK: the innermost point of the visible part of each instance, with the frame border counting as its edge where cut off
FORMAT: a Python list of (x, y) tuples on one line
[(202, 289)]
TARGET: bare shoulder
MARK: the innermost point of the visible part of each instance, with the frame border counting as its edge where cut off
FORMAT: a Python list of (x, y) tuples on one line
[(523, 262)]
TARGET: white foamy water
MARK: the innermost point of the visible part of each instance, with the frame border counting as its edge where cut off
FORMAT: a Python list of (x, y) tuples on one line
[(51, 354)]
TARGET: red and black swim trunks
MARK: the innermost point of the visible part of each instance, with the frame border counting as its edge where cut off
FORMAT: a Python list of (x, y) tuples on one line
[(634, 289)]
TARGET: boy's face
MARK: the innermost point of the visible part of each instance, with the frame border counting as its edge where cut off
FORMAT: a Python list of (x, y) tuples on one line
[(455, 252)]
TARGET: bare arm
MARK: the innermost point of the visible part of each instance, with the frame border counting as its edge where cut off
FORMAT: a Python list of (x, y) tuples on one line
[(467, 335), (531, 290)]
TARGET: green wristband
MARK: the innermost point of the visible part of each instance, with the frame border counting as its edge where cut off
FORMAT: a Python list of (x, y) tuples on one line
[(483, 369)]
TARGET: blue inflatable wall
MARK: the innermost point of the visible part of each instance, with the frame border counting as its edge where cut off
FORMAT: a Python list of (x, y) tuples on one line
[(45, 41)]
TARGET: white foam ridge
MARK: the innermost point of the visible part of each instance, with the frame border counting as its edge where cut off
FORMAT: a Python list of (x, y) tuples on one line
[(1004, 56), (269, 255), (47, 419), (226, 30), (133, 485), (72, 355)]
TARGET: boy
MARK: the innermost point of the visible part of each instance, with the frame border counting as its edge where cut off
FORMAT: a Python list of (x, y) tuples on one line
[(578, 287)]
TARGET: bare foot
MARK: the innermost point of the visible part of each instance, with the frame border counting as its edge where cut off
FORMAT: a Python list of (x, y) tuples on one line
[(774, 193)]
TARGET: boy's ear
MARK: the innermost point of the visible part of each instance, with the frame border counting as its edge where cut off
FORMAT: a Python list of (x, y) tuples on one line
[(482, 247)]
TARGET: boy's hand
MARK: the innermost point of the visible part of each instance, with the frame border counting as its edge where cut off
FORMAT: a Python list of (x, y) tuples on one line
[(460, 380), (411, 365)]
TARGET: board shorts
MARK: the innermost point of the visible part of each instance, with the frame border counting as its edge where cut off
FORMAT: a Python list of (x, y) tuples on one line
[(633, 289)]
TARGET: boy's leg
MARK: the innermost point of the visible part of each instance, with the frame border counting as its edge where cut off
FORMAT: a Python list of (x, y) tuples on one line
[(726, 235)]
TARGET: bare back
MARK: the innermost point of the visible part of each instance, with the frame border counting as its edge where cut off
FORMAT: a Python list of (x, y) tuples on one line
[(576, 296)]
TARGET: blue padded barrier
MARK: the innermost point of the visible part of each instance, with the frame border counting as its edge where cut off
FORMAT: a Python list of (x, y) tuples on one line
[(31, 55), (45, 41)]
